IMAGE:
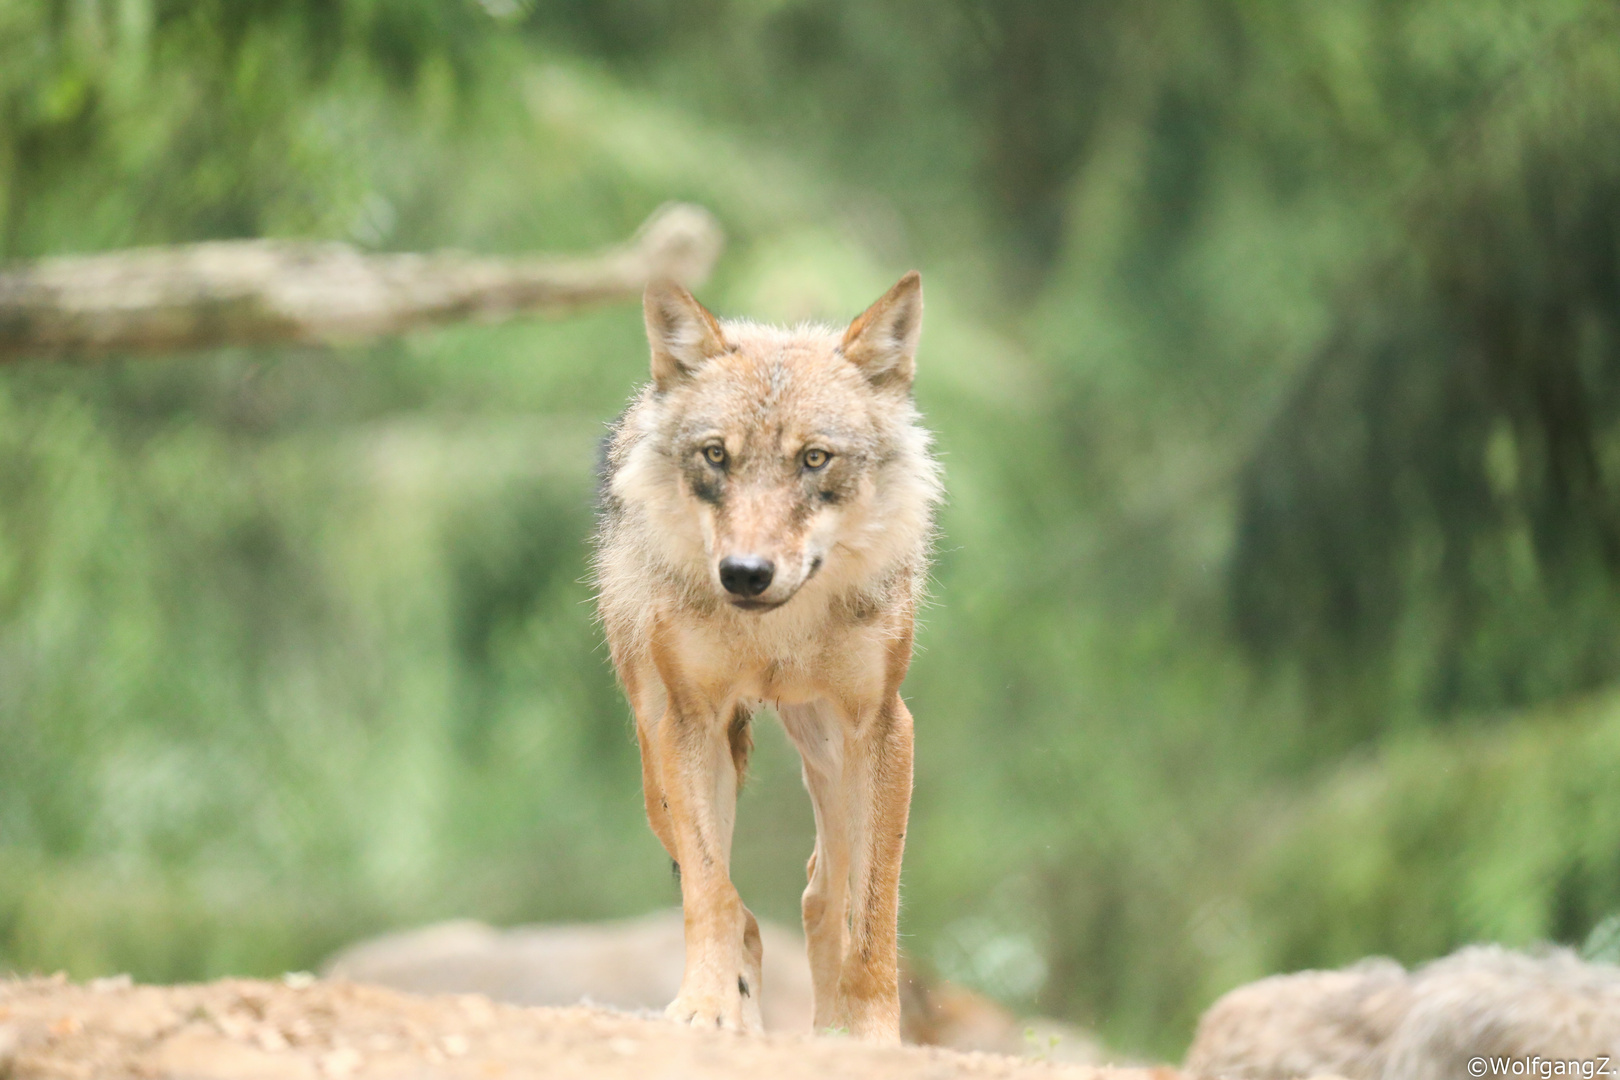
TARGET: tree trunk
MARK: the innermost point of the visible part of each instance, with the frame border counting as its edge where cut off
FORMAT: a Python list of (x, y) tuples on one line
[(256, 292)]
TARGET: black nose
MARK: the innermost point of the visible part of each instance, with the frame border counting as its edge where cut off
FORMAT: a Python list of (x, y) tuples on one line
[(746, 575)]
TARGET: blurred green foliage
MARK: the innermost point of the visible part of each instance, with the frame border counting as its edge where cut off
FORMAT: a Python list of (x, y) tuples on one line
[(1271, 350)]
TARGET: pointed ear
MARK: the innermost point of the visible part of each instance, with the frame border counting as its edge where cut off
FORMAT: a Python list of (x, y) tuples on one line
[(883, 341), (682, 332)]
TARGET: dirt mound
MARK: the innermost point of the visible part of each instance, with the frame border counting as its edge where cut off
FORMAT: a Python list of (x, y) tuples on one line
[(634, 965), (304, 1029)]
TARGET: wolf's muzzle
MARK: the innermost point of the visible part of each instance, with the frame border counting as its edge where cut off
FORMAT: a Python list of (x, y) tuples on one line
[(746, 575)]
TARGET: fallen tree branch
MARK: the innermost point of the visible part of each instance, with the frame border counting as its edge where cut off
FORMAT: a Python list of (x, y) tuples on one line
[(255, 292)]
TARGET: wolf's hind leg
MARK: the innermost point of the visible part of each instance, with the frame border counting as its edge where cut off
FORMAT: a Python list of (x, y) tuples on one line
[(826, 904), (818, 732)]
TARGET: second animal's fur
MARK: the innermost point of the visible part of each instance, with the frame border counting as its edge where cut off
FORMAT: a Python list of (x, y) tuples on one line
[(767, 516), (1375, 1021)]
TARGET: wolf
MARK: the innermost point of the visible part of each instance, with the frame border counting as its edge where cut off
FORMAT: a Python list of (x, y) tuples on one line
[(767, 513), (1482, 1006)]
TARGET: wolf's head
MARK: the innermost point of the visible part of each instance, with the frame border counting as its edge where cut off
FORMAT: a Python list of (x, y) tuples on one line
[(765, 457)]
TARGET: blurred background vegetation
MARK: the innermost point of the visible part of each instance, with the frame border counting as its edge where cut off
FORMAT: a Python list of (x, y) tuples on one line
[(1274, 352)]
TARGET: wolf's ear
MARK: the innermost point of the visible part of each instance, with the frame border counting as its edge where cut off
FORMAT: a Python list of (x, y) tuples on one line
[(682, 332), (883, 341)]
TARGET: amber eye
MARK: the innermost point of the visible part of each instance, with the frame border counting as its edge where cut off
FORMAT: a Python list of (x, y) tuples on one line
[(815, 459), (715, 454)]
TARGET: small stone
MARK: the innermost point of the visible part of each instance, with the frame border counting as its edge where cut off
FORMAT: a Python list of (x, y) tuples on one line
[(477, 1009), (298, 980), (340, 1063), (233, 1027), (272, 1041), (455, 1045), (111, 984), (623, 1046)]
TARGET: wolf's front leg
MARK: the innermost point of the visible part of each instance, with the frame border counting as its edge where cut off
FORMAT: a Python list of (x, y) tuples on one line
[(721, 984), (858, 772), (878, 787)]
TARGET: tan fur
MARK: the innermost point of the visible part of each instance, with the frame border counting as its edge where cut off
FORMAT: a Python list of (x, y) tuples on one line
[(1375, 1021), (827, 644)]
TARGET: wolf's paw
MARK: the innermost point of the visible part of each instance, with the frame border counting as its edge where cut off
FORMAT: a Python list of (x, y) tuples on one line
[(874, 1018), (733, 1008)]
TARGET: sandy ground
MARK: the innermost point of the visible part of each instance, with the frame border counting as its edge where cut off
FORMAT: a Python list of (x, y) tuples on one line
[(302, 1028)]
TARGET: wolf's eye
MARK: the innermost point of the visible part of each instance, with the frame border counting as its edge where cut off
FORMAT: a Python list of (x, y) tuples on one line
[(815, 459), (715, 454)]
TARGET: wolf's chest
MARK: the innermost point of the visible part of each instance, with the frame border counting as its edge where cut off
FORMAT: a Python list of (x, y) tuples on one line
[(785, 663)]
